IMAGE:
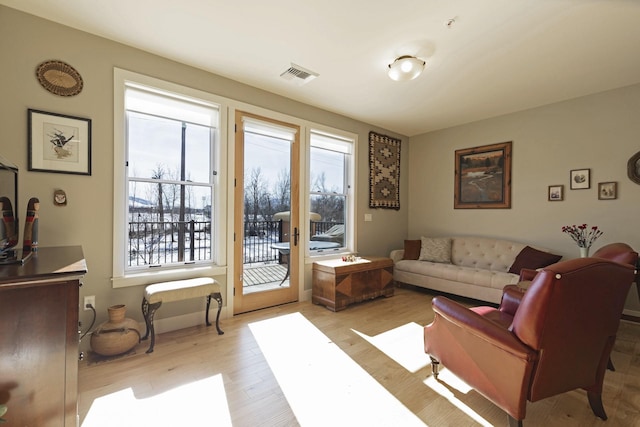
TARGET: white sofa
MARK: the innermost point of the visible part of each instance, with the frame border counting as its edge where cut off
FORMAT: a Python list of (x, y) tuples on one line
[(478, 267)]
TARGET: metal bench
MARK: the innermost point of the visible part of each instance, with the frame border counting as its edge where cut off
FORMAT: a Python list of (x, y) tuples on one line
[(156, 294)]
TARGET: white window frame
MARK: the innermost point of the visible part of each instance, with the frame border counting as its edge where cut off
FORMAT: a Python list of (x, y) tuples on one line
[(350, 211), (121, 277)]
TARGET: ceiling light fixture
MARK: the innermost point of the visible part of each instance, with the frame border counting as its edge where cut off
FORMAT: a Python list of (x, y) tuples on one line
[(406, 68)]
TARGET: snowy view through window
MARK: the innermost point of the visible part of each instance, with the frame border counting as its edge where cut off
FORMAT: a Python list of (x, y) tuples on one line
[(170, 180), (170, 183)]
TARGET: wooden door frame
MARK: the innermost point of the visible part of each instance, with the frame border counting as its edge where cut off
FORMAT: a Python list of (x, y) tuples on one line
[(243, 303)]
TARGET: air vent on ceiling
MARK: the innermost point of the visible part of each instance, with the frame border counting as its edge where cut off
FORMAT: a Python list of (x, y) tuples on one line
[(298, 74)]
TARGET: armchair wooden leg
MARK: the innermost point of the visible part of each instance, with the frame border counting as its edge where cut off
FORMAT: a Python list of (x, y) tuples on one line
[(595, 400), (435, 364), (513, 422)]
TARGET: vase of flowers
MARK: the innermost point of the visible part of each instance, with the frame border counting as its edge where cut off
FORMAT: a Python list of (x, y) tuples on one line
[(583, 235)]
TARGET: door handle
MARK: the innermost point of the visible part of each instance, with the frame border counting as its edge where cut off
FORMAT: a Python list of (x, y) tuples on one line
[(295, 236)]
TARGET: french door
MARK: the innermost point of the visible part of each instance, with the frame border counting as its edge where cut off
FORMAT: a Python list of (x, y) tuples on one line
[(266, 194)]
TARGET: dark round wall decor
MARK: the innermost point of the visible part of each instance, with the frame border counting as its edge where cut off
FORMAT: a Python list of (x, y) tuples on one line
[(59, 78), (633, 168)]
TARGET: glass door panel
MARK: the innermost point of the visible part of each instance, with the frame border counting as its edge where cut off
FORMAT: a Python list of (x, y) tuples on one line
[(266, 241)]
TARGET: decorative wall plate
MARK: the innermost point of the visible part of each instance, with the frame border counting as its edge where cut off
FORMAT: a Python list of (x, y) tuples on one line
[(59, 198), (633, 168), (59, 78)]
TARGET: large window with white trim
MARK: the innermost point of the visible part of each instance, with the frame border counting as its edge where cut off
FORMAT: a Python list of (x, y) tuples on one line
[(330, 188), (170, 142)]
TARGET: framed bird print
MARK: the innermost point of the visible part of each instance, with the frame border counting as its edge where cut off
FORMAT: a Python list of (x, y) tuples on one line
[(59, 143)]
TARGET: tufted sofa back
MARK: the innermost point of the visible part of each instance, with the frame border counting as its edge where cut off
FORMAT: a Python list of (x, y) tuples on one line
[(484, 253)]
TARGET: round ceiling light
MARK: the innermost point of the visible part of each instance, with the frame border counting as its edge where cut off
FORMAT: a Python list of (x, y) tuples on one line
[(406, 68)]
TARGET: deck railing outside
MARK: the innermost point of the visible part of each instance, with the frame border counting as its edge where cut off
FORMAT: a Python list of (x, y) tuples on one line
[(155, 242), (260, 235), (162, 242)]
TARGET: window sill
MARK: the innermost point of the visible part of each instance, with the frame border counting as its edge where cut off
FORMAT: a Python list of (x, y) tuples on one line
[(148, 277), (324, 256)]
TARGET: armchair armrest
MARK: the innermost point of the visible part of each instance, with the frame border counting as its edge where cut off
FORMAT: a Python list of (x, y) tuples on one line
[(511, 298), (488, 357), (527, 274), (479, 327)]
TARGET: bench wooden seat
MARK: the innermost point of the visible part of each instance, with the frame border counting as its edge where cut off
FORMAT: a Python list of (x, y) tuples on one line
[(177, 290)]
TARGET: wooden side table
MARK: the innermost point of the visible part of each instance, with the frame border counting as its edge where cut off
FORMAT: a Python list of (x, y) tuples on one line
[(337, 283)]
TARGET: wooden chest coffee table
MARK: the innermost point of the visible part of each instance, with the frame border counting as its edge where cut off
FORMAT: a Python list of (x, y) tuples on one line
[(337, 283)]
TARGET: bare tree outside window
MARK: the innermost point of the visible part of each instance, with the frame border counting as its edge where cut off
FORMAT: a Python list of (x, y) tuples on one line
[(170, 187)]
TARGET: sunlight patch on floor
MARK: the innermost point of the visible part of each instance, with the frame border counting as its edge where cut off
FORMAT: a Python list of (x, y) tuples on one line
[(321, 383), (446, 377), (200, 403), (403, 344)]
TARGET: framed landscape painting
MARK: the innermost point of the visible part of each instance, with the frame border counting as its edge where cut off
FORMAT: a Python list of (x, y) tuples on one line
[(483, 177)]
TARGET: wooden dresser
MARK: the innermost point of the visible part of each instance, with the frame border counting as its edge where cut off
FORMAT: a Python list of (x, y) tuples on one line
[(39, 304), (337, 283)]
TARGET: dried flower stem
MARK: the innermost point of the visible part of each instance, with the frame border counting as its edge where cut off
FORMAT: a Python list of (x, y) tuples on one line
[(582, 234)]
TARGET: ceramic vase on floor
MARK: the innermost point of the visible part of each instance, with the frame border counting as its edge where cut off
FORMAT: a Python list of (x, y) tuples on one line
[(117, 335)]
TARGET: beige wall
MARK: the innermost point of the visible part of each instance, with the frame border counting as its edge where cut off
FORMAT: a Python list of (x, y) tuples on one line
[(600, 132), (87, 220)]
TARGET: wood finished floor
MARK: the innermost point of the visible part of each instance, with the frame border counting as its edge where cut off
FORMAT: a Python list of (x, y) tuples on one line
[(255, 398), (265, 273)]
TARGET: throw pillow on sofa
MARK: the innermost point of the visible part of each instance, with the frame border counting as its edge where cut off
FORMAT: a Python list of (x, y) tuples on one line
[(532, 259), (435, 249), (412, 249)]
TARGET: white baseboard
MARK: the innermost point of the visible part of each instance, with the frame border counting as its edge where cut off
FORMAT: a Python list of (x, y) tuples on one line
[(169, 324), (633, 313)]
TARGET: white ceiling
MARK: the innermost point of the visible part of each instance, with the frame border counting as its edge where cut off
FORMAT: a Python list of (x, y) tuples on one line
[(500, 56)]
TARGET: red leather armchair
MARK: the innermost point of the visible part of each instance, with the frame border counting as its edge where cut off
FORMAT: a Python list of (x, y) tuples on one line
[(558, 339), (618, 252)]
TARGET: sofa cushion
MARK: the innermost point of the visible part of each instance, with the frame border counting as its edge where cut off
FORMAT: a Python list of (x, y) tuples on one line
[(455, 273), (435, 249), (412, 249), (484, 253), (532, 259)]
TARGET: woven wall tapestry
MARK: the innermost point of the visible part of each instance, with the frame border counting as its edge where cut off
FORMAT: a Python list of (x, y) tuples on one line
[(384, 171)]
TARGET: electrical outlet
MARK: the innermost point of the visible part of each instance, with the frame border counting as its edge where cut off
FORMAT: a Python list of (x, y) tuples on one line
[(89, 301)]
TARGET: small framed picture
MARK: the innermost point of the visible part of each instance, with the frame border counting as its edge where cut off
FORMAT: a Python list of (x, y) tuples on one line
[(580, 179), (607, 190), (59, 143), (556, 193)]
